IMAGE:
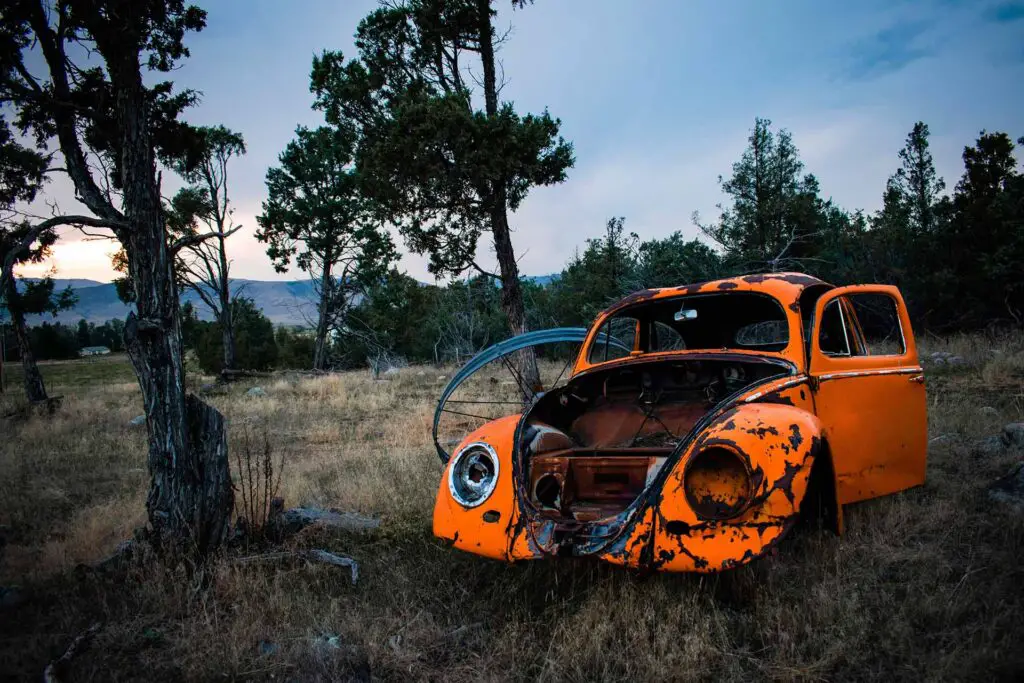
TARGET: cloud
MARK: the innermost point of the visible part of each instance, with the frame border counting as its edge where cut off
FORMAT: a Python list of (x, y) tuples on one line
[(82, 258), (1006, 12), (889, 50)]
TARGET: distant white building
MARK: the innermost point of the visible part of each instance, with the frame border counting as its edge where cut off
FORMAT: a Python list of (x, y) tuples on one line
[(93, 351)]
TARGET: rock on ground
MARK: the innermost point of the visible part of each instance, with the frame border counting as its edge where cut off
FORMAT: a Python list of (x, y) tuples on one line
[(296, 518), (1009, 489), (1013, 435), (256, 392)]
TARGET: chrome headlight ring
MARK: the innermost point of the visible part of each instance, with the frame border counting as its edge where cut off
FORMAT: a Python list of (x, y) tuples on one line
[(473, 474)]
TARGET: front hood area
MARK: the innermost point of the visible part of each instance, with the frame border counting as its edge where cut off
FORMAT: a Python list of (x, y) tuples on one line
[(696, 390)]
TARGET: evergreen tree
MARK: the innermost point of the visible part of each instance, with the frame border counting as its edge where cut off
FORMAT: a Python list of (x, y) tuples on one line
[(316, 214), (437, 166), (773, 211)]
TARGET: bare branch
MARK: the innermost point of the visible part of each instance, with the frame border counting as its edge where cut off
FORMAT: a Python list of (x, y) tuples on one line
[(192, 240), (32, 234), (486, 273)]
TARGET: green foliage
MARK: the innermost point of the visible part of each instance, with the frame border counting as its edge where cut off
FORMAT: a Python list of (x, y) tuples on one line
[(256, 347), (435, 165), (53, 341), (317, 215), (56, 341), (775, 209), (674, 261), (294, 348)]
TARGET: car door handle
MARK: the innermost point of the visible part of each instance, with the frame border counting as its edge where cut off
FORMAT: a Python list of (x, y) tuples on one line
[(917, 379)]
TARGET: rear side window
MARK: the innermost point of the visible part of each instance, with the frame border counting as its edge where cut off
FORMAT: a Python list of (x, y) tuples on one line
[(876, 325), (866, 324)]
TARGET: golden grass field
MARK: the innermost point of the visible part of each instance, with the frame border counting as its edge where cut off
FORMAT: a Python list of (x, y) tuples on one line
[(926, 585)]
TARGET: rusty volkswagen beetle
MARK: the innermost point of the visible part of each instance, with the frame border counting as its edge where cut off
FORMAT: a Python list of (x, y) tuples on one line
[(696, 425)]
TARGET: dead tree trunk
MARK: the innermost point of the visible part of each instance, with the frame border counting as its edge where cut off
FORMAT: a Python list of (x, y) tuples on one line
[(35, 390), (511, 291)]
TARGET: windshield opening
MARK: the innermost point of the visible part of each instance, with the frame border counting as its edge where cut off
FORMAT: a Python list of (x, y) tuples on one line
[(727, 320)]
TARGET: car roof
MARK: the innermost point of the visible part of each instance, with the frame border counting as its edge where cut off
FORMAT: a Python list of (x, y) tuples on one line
[(786, 287)]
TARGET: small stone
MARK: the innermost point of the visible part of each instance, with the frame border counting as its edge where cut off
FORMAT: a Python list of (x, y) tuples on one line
[(390, 373), (1013, 435), (1009, 489), (256, 392), (992, 445), (327, 642), (138, 420), (267, 648), (938, 360), (988, 411), (421, 373), (955, 360)]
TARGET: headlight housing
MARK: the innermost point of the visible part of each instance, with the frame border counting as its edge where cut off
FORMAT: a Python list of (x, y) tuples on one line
[(473, 474), (717, 483)]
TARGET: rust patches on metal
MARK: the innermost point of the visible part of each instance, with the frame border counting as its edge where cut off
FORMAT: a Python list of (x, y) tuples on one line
[(798, 279), (683, 508)]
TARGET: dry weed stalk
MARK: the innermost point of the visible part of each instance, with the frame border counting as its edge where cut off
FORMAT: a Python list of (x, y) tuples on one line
[(258, 483)]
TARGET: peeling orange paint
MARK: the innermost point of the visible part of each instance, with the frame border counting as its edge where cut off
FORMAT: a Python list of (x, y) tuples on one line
[(734, 484)]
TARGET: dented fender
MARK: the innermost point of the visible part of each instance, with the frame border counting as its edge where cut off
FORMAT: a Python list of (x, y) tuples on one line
[(778, 444), (483, 529)]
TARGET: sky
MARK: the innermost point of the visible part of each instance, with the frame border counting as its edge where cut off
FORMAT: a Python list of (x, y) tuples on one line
[(657, 97)]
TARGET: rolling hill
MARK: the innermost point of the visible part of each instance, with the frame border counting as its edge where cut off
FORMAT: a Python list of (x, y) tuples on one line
[(284, 302)]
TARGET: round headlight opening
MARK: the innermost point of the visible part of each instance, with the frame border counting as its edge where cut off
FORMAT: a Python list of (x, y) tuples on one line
[(717, 484), (473, 474)]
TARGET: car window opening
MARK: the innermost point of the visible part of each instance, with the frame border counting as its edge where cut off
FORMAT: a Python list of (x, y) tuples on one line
[(728, 320)]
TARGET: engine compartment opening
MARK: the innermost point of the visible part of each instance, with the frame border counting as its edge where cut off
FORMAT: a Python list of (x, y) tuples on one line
[(593, 446)]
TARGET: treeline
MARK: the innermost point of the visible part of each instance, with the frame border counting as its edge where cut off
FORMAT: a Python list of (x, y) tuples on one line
[(56, 341), (957, 257)]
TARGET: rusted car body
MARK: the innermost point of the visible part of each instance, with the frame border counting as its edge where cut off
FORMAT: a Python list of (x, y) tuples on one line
[(696, 424)]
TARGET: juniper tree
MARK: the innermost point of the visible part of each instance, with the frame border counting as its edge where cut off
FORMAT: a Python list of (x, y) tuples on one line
[(441, 163), (91, 98)]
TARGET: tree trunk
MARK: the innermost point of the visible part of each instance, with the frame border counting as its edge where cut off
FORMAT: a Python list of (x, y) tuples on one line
[(227, 319), (190, 498), (511, 292), (323, 318), (35, 390)]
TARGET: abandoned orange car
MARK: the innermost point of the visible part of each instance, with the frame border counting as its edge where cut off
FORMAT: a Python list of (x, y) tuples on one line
[(697, 424)]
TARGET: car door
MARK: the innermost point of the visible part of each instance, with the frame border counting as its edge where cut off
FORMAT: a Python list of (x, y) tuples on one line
[(868, 390)]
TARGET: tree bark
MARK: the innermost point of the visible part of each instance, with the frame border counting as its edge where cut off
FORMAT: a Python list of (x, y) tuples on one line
[(227, 321), (35, 390), (511, 291), (190, 498), (323, 318)]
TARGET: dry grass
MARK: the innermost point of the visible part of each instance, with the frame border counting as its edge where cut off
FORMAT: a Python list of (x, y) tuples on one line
[(925, 585)]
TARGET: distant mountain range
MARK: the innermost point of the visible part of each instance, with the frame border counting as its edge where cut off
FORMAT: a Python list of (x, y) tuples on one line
[(283, 302), (289, 302)]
